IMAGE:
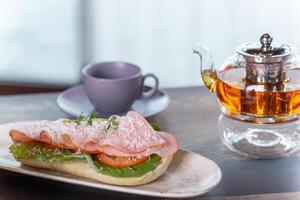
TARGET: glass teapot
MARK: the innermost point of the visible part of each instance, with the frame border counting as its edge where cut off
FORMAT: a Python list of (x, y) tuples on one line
[(259, 93)]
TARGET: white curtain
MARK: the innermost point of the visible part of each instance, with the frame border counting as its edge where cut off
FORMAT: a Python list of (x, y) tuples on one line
[(40, 42), (158, 35)]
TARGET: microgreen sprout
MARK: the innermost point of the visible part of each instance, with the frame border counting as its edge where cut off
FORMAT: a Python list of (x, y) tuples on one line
[(91, 117), (112, 123), (81, 118)]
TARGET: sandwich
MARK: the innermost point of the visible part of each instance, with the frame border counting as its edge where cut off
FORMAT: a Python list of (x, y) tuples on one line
[(120, 150)]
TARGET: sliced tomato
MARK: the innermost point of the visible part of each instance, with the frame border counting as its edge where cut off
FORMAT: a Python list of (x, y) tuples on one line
[(119, 162)]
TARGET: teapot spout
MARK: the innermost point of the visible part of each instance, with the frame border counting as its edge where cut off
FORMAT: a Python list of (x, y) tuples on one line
[(208, 73)]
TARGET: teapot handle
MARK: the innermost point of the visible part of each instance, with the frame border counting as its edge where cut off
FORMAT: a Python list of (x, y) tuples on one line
[(203, 52), (208, 72)]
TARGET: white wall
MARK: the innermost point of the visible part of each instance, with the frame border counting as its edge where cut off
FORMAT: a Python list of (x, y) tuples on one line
[(158, 35)]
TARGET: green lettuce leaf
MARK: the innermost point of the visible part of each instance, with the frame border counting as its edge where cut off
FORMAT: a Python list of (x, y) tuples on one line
[(33, 151), (40, 152), (155, 127)]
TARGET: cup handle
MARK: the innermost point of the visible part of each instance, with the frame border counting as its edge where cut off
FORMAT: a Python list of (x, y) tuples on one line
[(150, 93)]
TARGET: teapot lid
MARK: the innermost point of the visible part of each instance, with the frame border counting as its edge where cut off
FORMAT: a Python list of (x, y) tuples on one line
[(265, 48), (266, 62)]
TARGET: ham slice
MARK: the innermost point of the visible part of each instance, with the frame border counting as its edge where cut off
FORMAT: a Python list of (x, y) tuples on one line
[(18, 136), (133, 136), (170, 147)]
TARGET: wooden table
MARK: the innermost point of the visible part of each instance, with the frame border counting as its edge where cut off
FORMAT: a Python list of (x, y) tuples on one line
[(192, 116)]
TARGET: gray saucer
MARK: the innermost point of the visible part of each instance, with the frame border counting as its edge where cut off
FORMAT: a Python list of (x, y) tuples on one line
[(74, 100)]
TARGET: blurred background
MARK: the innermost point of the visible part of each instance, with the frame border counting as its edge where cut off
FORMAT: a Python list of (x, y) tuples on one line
[(44, 44)]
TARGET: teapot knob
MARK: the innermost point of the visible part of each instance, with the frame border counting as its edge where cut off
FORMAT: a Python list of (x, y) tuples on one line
[(266, 41)]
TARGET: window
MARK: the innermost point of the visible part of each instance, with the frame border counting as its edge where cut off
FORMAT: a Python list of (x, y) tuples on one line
[(40, 42), (47, 42)]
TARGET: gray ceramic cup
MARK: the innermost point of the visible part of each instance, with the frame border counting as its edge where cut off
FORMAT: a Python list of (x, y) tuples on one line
[(112, 87)]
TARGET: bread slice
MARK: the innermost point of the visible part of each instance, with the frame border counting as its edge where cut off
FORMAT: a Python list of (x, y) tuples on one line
[(82, 169)]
